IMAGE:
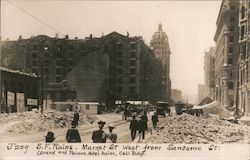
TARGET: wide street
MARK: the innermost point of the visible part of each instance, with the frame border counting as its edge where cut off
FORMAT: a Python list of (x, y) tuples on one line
[(85, 130)]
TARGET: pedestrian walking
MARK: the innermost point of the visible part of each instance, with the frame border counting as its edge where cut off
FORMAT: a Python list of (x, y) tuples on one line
[(143, 125), (76, 118), (154, 119), (49, 137), (98, 136), (73, 135), (133, 127), (126, 113), (111, 136)]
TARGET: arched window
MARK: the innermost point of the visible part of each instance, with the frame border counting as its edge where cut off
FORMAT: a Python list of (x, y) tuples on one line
[(230, 84), (243, 10), (242, 32)]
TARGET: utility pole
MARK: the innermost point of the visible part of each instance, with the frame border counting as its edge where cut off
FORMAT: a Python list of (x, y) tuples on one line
[(0, 22), (41, 78), (1, 96), (237, 88), (41, 53)]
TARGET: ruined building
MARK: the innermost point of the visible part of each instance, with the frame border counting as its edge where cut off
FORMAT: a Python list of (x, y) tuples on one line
[(226, 53), (244, 62), (209, 73), (104, 69)]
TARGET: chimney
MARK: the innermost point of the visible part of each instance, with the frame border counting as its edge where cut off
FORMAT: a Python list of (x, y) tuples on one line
[(20, 37), (57, 35), (67, 36)]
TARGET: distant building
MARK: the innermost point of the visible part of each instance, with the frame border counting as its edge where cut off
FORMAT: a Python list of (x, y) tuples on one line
[(161, 49), (133, 71), (176, 95), (201, 93), (244, 67), (226, 52), (106, 69), (209, 73), (50, 58), (190, 99)]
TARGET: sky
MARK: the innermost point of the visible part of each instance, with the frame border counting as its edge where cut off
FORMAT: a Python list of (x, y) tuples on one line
[(190, 26)]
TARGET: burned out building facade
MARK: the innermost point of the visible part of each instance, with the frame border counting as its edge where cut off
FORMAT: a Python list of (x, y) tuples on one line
[(209, 73), (134, 73), (50, 58), (244, 66), (226, 53), (105, 69)]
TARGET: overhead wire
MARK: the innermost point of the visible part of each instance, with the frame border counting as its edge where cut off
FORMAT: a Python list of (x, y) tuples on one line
[(38, 19)]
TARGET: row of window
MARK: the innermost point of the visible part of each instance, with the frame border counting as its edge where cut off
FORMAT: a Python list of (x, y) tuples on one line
[(132, 80), (46, 73), (132, 71), (58, 55), (132, 54), (70, 47), (132, 63), (120, 45), (131, 89), (58, 62), (59, 47), (82, 53)]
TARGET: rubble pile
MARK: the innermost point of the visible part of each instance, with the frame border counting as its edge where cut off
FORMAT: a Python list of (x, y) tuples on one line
[(190, 129), (36, 121)]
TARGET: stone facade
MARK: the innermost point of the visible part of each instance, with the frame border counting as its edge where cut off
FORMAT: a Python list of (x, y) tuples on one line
[(244, 62), (226, 52), (209, 73), (161, 49)]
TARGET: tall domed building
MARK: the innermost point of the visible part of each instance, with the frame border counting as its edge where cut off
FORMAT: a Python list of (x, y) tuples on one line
[(159, 44)]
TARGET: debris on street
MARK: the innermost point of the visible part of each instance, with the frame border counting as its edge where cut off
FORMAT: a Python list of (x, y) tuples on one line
[(190, 129), (36, 121)]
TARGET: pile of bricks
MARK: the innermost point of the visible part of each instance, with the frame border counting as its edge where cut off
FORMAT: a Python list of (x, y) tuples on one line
[(36, 121), (191, 129)]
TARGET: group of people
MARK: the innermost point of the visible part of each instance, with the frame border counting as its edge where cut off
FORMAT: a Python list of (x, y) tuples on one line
[(140, 124), (98, 136)]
